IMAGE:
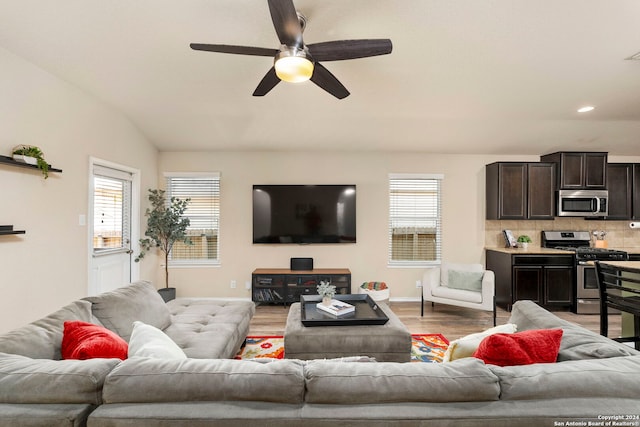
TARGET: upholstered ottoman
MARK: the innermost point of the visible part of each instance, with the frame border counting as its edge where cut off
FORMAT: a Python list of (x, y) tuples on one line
[(390, 342)]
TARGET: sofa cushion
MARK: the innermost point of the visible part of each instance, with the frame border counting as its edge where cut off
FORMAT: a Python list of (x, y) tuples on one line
[(149, 341), (142, 379), (521, 348), (577, 343), (467, 280), (465, 346), (82, 340), (619, 377), (209, 329), (42, 338), (118, 309), (467, 380), (457, 294), (26, 380)]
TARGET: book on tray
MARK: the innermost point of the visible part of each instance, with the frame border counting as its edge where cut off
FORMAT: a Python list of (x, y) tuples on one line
[(337, 307)]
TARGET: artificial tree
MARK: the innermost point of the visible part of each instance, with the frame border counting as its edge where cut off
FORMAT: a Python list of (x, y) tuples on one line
[(166, 225)]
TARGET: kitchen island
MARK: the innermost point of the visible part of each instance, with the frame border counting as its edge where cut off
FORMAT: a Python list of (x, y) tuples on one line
[(545, 276)]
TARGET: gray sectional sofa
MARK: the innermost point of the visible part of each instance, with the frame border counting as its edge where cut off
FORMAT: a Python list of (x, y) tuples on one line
[(37, 388), (594, 379)]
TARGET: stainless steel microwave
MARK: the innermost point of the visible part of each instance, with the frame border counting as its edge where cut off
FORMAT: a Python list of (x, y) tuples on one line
[(583, 203)]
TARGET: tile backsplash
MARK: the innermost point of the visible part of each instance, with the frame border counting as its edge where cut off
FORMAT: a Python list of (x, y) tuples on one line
[(619, 234)]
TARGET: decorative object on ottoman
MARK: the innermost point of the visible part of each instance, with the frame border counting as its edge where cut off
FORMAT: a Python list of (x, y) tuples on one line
[(378, 291), (166, 225), (327, 291)]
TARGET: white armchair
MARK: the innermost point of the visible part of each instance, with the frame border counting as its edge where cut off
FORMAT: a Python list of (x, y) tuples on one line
[(463, 285)]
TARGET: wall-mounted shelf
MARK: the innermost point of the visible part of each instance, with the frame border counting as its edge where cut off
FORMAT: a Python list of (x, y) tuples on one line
[(6, 160), (5, 230)]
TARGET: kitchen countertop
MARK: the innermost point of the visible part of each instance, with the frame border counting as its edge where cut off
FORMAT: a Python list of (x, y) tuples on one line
[(537, 250), (531, 250)]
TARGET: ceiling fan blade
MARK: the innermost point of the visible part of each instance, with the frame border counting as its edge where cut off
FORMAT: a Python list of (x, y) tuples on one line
[(285, 21), (268, 82), (327, 81), (349, 49), (239, 50)]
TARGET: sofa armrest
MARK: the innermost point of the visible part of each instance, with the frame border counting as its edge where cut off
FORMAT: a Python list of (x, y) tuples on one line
[(488, 286), (430, 280)]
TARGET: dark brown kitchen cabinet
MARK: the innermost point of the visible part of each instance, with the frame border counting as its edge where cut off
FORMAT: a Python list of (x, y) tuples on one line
[(623, 183), (579, 170), (620, 184), (520, 190), (636, 192), (548, 280)]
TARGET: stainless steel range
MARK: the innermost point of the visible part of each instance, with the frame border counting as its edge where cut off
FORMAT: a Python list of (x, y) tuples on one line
[(587, 293)]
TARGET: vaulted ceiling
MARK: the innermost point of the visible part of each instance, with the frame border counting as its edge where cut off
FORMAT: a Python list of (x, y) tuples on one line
[(480, 77)]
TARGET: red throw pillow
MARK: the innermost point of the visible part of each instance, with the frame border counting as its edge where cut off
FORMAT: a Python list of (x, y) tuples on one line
[(82, 340), (521, 348)]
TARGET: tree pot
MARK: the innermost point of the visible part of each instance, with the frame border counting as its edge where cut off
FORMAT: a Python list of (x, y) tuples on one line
[(167, 294)]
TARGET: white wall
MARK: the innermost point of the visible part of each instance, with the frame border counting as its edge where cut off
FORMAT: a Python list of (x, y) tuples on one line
[(462, 212), (47, 267)]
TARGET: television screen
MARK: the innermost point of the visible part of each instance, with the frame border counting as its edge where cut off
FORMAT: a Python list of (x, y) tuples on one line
[(304, 214)]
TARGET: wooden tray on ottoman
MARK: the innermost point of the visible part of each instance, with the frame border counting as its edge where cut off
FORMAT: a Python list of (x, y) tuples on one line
[(367, 312)]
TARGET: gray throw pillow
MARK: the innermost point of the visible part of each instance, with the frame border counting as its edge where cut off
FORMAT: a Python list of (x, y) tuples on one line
[(466, 280)]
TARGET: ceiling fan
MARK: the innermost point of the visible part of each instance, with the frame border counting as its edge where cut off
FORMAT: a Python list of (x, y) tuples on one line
[(296, 61)]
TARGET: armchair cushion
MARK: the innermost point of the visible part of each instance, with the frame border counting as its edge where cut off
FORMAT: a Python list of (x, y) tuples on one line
[(466, 280)]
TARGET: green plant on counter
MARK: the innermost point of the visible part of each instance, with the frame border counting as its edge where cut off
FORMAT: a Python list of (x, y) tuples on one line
[(36, 153), (524, 239)]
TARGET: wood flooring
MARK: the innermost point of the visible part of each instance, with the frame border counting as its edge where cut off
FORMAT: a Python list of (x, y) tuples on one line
[(450, 321)]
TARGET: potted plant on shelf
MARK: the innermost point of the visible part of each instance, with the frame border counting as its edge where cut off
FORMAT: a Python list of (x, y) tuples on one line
[(165, 226), (31, 155), (523, 241), (327, 291)]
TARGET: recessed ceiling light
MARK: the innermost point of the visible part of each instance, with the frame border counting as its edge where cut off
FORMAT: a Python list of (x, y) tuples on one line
[(585, 109)]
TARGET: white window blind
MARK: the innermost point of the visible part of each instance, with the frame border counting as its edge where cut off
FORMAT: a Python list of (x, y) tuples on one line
[(414, 219), (111, 210), (203, 212)]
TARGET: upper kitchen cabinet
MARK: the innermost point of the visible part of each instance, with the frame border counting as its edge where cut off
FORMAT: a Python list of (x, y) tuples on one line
[(579, 170), (520, 190), (623, 182), (620, 177)]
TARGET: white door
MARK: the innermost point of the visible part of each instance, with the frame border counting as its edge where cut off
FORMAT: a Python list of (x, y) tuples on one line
[(113, 203)]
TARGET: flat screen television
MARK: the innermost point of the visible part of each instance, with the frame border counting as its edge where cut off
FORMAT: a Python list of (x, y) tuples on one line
[(304, 214)]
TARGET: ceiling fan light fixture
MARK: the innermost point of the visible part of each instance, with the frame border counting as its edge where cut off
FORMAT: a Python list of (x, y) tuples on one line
[(293, 65)]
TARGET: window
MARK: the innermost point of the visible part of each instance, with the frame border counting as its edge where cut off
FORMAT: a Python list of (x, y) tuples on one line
[(203, 212), (111, 210), (414, 219)]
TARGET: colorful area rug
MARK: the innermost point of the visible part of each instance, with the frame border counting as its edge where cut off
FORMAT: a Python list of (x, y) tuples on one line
[(427, 348)]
